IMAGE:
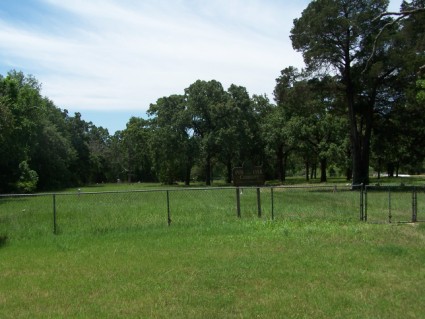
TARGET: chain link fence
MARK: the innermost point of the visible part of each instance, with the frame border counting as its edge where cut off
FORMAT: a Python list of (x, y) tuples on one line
[(394, 204), (26, 216)]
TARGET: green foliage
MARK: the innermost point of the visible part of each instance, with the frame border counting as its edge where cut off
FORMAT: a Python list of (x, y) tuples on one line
[(316, 130), (334, 34), (136, 163), (206, 102), (421, 91), (172, 145), (27, 180), (6, 119), (64, 150)]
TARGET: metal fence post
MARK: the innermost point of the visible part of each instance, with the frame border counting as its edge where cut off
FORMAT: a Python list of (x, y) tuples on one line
[(238, 202), (259, 202), (361, 203), (364, 210), (389, 205), (414, 206), (54, 215), (272, 199), (168, 208)]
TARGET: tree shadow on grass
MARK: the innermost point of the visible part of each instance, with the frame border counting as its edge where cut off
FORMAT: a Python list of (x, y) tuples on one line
[(3, 240)]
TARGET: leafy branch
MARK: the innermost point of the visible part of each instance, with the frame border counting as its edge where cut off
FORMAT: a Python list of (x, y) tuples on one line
[(400, 16)]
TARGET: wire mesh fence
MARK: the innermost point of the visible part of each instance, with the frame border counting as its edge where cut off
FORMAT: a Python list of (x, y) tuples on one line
[(339, 203), (420, 204), (394, 204), (99, 212), (105, 211), (26, 216), (202, 205)]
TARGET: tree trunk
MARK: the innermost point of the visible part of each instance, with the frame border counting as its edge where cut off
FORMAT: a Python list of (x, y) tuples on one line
[(281, 163), (360, 137), (187, 174), (208, 171), (323, 167), (348, 173), (229, 172), (313, 171), (307, 170), (390, 169), (361, 162), (279, 159)]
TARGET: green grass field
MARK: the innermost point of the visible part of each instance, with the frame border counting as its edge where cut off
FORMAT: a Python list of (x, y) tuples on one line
[(314, 260)]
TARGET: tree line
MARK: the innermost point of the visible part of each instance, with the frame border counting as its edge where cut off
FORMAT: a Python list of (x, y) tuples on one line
[(358, 104)]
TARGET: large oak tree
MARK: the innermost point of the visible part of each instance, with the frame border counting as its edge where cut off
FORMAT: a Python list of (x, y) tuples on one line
[(337, 36)]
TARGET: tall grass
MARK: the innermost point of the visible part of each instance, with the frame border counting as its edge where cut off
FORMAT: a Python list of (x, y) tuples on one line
[(26, 216), (88, 211)]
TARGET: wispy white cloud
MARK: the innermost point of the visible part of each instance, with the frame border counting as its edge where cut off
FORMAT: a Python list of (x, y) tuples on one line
[(125, 54)]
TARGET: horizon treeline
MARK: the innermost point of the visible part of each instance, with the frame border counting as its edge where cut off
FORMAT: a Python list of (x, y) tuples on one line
[(358, 105)]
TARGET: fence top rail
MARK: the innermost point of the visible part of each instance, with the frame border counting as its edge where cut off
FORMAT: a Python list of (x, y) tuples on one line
[(25, 195), (399, 187), (79, 192), (114, 192), (334, 186)]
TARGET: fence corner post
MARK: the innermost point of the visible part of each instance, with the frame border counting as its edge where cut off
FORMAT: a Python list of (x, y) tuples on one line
[(414, 206), (272, 199), (54, 215), (238, 202), (168, 208), (390, 216), (361, 203), (259, 202)]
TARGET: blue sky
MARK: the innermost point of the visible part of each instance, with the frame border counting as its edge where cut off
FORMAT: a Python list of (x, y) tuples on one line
[(109, 59)]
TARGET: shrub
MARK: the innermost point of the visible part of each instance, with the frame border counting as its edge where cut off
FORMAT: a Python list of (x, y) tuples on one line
[(28, 180)]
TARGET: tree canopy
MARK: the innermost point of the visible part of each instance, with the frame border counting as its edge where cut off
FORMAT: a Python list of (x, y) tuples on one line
[(357, 106), (340, 38)]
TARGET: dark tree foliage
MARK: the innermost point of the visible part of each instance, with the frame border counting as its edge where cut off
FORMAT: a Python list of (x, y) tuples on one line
[(173, 145), (399, 133), (338, 36), (36, 136), (206, 102)]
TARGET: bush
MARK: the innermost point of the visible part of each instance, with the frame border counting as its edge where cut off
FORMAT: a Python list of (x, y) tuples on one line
[(28, 180)]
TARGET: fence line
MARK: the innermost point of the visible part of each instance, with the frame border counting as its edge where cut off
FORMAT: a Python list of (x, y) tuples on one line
[(32, 214), (393, 204)]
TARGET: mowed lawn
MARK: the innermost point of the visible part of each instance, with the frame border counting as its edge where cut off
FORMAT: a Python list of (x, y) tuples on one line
[(240, 268)]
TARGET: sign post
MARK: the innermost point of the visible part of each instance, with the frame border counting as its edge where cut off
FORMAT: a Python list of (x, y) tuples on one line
[(248, 176)]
